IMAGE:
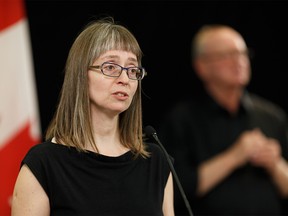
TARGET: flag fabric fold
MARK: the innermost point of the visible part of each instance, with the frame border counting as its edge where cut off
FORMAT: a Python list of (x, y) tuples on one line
[(19, 115)]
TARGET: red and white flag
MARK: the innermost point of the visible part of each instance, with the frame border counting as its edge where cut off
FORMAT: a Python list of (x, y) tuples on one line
[(19, 117)]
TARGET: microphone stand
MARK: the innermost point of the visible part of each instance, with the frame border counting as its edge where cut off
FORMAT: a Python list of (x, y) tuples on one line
[(174, 173)]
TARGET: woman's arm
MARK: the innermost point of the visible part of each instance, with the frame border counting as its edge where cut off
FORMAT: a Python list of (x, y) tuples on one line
[(168, 203), (29, 198)]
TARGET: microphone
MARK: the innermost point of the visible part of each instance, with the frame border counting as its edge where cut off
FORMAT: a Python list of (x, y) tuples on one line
[(151, 132)]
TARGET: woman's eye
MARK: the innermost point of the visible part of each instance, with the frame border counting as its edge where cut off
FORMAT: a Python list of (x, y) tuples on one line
[(110, 67)]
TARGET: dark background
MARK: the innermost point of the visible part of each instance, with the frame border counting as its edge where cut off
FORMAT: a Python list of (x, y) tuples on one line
[(164, 30)]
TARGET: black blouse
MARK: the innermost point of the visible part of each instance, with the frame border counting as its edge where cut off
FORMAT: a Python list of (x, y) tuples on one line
[(86, 183)]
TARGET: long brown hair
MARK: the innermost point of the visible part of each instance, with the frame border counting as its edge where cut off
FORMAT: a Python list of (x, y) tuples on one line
[(71, 124)]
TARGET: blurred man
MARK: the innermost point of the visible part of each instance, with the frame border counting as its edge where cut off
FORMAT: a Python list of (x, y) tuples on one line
[(229, 146)]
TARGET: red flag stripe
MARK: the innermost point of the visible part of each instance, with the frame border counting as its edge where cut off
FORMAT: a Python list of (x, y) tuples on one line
[(22, 122), (11, 11), (10, 158)]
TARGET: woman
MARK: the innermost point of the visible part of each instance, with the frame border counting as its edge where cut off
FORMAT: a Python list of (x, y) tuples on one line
[(94, 160)]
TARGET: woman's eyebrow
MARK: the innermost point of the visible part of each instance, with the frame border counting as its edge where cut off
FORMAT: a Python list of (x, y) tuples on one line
[(111, 57), (132, 59)]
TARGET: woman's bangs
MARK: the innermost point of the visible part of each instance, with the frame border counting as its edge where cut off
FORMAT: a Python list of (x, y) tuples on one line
[(121, 42)]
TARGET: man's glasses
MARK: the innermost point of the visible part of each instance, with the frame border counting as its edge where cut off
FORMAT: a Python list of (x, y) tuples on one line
[(227, 55), (115, 70)]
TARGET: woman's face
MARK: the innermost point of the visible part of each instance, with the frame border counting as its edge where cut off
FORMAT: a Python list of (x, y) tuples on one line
[(112, 95)]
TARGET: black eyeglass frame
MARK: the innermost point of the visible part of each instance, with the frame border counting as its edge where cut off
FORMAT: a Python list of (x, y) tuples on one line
[(100, 67)]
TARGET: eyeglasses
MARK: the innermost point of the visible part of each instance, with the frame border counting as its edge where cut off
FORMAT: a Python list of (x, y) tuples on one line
[(115, 70), (229, 54)]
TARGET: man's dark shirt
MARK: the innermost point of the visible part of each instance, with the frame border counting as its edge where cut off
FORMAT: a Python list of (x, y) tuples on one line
[(199, 129)]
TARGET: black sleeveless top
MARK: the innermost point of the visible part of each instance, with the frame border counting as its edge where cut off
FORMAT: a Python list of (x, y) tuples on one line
[(86, 183)]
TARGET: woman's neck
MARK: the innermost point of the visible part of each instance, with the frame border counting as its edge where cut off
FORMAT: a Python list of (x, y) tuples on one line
[(107, 137)]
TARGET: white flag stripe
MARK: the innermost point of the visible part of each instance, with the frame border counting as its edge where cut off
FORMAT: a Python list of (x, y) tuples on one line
[(17, 84)]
